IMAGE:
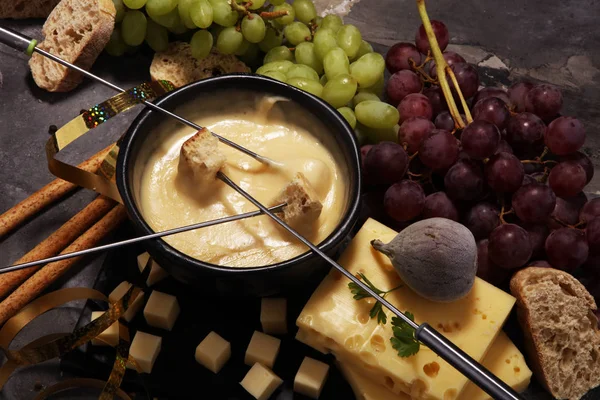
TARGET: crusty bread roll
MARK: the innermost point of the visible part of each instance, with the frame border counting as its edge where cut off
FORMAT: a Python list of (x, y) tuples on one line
[(201, 157)]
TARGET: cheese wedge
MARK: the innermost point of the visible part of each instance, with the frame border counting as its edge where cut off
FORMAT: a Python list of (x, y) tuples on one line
[(472, 323)]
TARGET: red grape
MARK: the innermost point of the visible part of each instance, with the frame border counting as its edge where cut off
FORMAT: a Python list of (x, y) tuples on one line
[(518, 93), (480, 139), (509, 246), (567, 211), (441, 34), (533, 202), (482, 219), (386, 163), (401, 84), (413, 131), (565, 135), (398, 55), (590, 210), (363, 153), (537, 238), (566, 248), (503, 147), (488, 92), (540, 264), (415, 105), (439, 150), (592, 233), (450, 57), (438, 204), (437, 99), (493, 110), (404, 200), (486, 269), (524, 130), (567, 178), (467, 78), (464, 180), (444, 121), (504, 173), (528, 179), (545, 101), (584, 161)]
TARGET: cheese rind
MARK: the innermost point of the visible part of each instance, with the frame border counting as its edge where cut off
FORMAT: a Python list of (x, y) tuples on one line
[(145, 349), (162, 310), (213, 352), (109, 337), (134, 308), (262, 349), (472, 323), (273, 318), (261, 382), (157, 273), (311, 377)]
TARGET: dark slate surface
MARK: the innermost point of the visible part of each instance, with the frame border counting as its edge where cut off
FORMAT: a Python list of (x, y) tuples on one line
[(549, 40)]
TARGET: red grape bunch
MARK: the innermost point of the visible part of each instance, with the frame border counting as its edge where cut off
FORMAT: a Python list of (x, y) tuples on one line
[(513, 173)]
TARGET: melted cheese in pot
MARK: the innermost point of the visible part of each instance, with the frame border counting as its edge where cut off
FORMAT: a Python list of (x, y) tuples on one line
[(167, 200)]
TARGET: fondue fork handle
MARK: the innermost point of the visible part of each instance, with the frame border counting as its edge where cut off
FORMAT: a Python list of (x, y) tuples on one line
[(18, 41), (139, 239), (460, 360)]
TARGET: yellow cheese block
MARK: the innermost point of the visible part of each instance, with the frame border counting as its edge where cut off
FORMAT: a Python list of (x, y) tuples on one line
[(472, 323)]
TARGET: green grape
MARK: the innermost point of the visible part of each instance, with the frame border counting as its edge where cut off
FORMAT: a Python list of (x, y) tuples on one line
[(201, 44), (278, 53), (367, 69), (280, 76), (272, 39), (296, 33), (133, 27), (160, 7), (364, 48), (256, 4), (332, 22), (184, 8), (223, 14), (349, 39), (377, 114), (229, 40), (308, 85), (251, 56), (116, 47), (253, 28), (373, 135), (168, 20), (277, 2), (157, 36), (178, 27), (120, 8), (243, 48), (363, 96), (339, 90), (323, 80), (348, 114), (216, 30), (213, 2), (201, 13), (286, 19), (305, 54), (318, 21), (134, 4), (302, 71), (377, 88), (335, 63), (324, 40), (282, 66), (305, 10)]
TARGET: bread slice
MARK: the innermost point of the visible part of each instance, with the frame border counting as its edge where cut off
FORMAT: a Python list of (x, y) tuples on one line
[(177, 65), (562, 339), (76, 31), (303, 206), (21, 9), (200, 156)]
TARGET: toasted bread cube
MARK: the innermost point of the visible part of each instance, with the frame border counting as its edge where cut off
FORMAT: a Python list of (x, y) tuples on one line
[(261, 382), (311, 377), (157, 273), (109, 337), (303, 207), (273, 315), (262, 349), (200, 156), (162, 310), (144, 349), (134, 307), (213, 352)]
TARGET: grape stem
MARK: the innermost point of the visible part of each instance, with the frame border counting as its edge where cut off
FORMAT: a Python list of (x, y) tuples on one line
[(242, 9), (503, 213), (425, 77), (441, 65), (460, 95), (273, 14)]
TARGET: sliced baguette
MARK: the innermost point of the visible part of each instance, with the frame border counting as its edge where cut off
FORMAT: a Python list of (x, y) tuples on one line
[(562, 339), (177, 65), (21, 9), (76, 31)]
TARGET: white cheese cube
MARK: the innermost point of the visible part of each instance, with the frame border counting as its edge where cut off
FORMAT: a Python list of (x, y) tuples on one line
[(133, 309), (144, 349), (162, 310), (273, 315), (213, 352), (157, 273), (311, 377), (262, 349), (110, 337), (261, 382)]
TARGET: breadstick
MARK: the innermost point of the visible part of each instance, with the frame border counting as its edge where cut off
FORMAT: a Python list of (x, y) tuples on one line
[(47, 195), (49, 273), (56, 242)]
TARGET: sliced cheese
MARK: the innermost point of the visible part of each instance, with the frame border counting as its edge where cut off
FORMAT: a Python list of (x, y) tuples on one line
[(162, 310), (110, 337), (213, 352), (261, 382), (134, 308), (157, 273), (144, 349), (262, 349), (472, 323), (311, 377)]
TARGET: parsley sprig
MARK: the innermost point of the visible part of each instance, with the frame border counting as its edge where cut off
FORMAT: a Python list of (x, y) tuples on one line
[(359, 294)]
